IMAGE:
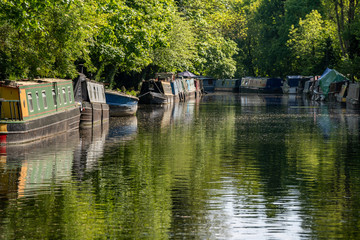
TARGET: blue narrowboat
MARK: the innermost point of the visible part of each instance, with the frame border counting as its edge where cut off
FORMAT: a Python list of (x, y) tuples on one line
[(208, 84)]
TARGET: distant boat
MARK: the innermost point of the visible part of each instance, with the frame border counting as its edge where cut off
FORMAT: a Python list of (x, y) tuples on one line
[(168, 89), (261, 85), (227, 85), (159, 90), (32, 110), (156, 92), (353, 96), (121, 104), (91, 96), (295, 84), (208, 84)]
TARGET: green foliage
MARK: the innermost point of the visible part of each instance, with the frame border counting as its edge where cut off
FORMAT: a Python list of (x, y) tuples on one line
[(134, 29), (45, 39), (180, 51), (223, 38), (312, 43)]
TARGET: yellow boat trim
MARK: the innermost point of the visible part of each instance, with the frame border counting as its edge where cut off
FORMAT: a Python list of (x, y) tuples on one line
[(3, 127)]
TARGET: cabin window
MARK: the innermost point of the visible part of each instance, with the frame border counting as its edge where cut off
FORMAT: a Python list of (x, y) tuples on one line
[(54, 97), (69, 92), (64, 95), (95, 96), (31, 106), (37, 100), (60, 102), (43, 94)]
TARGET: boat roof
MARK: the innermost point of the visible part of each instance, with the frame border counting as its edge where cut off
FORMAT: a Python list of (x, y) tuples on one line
[(120, 93), (32, 82)]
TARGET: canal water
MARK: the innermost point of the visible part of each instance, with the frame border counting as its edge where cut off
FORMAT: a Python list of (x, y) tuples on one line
[(228, 166)]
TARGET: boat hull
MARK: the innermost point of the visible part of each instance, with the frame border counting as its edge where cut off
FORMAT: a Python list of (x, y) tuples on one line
[(155, 98), (94, 114), (259, 90), (13, 132), (121, 104)]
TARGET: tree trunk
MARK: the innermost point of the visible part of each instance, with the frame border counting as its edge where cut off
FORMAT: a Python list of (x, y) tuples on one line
[(340, 28)]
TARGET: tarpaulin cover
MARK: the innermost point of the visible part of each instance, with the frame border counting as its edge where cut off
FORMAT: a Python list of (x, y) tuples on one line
[(186, 74), (329, 76)]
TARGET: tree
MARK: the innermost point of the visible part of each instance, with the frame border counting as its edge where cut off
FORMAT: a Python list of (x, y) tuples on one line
[(45, 38), (215, 51), (312, 44), (134, 29), (180, 51)]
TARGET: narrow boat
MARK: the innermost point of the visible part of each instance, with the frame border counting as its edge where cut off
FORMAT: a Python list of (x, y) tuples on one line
[(199, 84), (190, 82), (91, 96), (155, 92), (177, 90), (158, 90), (208, 84), (261, 85), (353, 96), (121, 104), (227, 85), (31, 110), (295, 84)]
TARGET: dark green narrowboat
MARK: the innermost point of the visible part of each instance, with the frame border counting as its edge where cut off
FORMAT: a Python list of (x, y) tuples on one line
[(31, 110)]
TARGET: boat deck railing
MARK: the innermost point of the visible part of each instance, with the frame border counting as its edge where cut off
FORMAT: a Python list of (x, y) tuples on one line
[(10, 110)]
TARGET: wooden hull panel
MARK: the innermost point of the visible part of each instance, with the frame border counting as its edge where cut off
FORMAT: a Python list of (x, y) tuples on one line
[(94, 114)]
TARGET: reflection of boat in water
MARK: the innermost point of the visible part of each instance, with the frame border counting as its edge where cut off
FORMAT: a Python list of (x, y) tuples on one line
[(157, 116), (121, 104), (90, 149), (27, 169), (31, 110), (122, 128)]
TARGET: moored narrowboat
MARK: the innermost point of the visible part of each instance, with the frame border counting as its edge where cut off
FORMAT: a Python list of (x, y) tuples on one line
[(156, 92), (199, 89), (227, 85), (91, 96), (121, 104), (295, 84), (353, 96), (178, 90), (208, 84), (261, 85), (191, 88), (31, 110)]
